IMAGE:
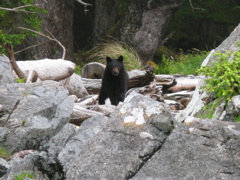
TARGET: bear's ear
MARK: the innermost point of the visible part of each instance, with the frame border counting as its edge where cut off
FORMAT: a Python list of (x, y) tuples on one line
[(108, 59), (120, 58)]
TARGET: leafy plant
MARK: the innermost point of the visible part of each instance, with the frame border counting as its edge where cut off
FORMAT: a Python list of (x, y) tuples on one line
[(23, 175), (223, 75), (114, 49), (78, 70), (9, 21)]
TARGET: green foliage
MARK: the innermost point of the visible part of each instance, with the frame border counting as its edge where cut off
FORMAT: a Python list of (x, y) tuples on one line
[(4, 153), (20, 80), (209, 110), (223, 75), (186, 63), (78, 70), (23, 175), (27, 17), (206, 26), (114, 49), (237, 119)]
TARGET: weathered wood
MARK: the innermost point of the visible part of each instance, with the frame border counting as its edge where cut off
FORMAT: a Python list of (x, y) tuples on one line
[(15, 67), (88, 101), (80, 114), (137, 78), (184, 84), (48, 69), (32, 76), (92, 85)]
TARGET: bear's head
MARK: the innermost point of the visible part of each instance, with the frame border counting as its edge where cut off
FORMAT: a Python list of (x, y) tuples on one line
[(115, 66)]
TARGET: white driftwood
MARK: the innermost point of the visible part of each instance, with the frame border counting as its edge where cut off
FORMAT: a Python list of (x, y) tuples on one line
[(181, 93), (48, 69), (137, 78), (80, 114), (92, 85), (32, 77), (163, 78), (184, 84), (88, 101)]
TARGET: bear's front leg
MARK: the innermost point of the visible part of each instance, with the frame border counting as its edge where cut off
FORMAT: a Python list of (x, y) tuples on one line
[(102, 97)]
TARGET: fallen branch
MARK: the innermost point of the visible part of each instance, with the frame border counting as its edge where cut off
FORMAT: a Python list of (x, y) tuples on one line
[(15, 67), (19, 9), (190, 1), (85, 5), (52, 38)]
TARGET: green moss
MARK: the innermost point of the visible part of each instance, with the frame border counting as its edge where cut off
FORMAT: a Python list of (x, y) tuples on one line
[(4, 152)]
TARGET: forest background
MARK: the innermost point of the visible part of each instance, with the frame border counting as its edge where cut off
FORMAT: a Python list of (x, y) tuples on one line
[(188, 30)]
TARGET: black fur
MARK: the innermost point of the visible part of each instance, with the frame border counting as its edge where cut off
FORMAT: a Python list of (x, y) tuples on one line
[(115, 81)]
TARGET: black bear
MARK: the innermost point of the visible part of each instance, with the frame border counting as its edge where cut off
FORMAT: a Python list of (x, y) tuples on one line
[(115, 81)]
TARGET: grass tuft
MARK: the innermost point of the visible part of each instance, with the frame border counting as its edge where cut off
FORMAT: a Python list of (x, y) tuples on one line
[(185, 65), (114, 49)]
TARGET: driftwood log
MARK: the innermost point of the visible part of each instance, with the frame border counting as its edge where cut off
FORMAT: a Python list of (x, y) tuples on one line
[(137, 78), (82, 112)]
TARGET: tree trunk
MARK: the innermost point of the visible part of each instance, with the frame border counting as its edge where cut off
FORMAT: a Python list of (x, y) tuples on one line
[(104, 19)]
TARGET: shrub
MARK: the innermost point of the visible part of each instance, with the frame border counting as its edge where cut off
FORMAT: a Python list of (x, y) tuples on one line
[(223, 80), (223, 75)]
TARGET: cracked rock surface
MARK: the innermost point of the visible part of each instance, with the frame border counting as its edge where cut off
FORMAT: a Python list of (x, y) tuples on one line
[(120, 149)]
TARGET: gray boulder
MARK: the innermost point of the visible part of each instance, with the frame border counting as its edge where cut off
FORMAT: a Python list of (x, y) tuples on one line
[(93, 70), (31, 115), (74, 85), (131, 136), (203, 150), (6, 74)]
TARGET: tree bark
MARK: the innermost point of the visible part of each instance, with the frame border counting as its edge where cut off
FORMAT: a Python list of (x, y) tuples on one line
[(104, 19), (15, 67)]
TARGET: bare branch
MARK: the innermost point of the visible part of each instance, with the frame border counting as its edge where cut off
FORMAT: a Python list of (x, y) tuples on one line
[(190, 1), (85, 5), (19, 9), (50, 38), (15, 67), (31, 47)]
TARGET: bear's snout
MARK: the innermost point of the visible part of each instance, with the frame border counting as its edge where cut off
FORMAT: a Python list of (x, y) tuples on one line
[(115, 71)]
